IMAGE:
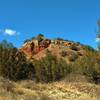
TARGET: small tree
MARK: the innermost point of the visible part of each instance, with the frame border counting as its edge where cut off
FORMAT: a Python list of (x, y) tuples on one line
[(40, 37), (13, 64), (51, 68), (98, 34), (61, 39)]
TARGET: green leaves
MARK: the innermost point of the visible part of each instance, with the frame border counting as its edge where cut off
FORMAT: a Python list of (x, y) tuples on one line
[(13, 64), (51, 68)]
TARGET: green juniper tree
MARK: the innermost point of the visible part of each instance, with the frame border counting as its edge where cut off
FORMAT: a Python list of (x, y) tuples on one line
[(40, 37), (98, 34), (13, 63)]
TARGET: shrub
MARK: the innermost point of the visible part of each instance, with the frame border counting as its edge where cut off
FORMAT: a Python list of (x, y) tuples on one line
[(89, 48), (80, 53), (51, 68), (73, 56), (13, 64), (87, 66), (40, 37), (60, 39), (74, 47), (63, 53), (27, 40)]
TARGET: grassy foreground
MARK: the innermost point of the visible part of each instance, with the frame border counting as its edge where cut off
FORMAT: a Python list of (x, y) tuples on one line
[(62, 90)]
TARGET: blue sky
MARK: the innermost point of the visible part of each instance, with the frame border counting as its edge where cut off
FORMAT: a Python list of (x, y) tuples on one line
[(70, 19)]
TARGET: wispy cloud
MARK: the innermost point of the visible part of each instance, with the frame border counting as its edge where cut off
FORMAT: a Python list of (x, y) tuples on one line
[(9, 32), (97, 39)]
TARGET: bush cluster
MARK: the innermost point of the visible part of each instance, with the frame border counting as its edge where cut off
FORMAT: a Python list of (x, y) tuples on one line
[(14, 65), (88, 66), (88, 48), (64, 53), (74, 47), (51, 68)]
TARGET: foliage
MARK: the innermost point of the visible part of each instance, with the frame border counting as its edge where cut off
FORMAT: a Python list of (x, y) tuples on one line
[(74, 47), (88, 66), (73, 56), (4, 44), (63, 53), (51, 68), (61, 39), (27, 40), (40, 37), (88, 48), (98, 34), (13, 64)]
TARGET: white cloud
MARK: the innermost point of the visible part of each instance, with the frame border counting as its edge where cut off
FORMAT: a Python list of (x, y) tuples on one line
[(97, 39), (10, 32)]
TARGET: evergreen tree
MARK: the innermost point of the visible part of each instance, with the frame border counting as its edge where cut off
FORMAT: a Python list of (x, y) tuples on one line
[(40, 37), (98, 34), (13, 63)]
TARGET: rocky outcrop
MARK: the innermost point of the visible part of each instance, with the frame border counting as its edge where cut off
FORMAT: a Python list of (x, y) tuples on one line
[(37, 49)]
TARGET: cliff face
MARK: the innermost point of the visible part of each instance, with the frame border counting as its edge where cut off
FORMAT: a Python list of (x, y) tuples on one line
[(60, 48), (34, 47)]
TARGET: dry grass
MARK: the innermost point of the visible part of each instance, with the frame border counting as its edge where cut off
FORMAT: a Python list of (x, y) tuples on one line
[(29, 90)]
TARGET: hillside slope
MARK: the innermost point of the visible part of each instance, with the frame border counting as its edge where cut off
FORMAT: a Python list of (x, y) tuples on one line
[(68, 50), (54, 70)]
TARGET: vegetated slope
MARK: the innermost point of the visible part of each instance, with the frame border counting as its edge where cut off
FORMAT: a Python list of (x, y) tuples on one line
[(66, 57), (71, 77)]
